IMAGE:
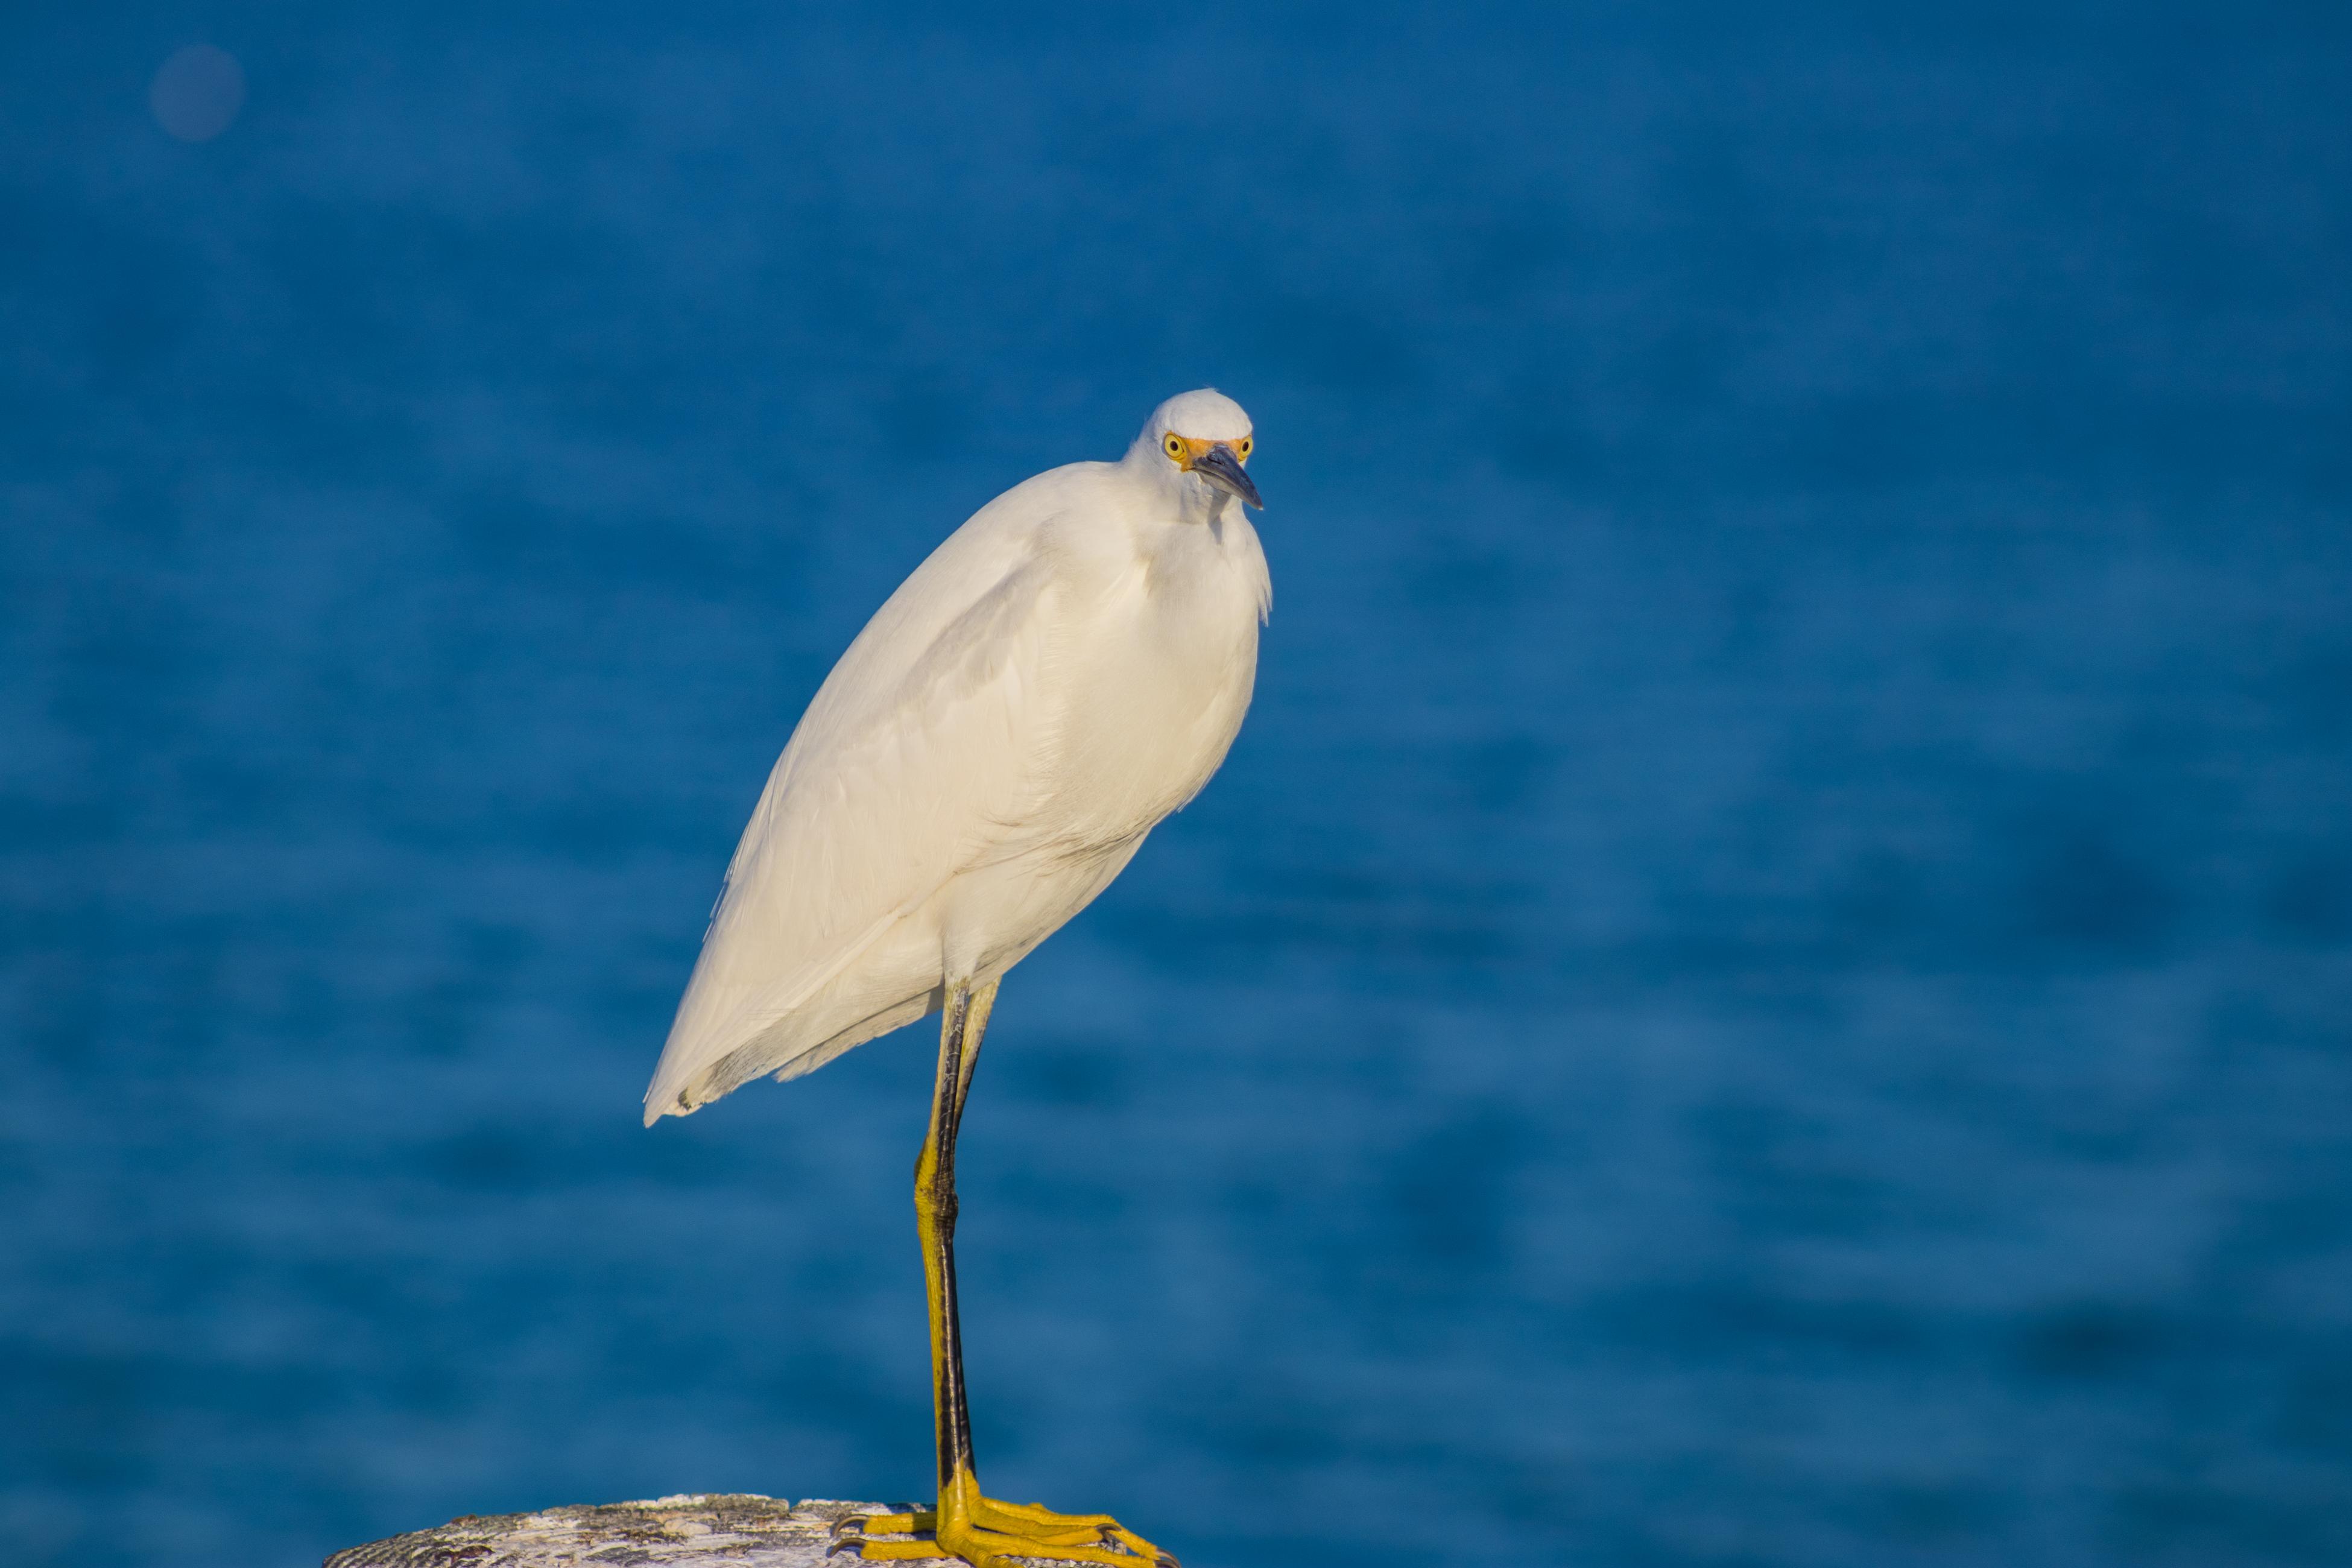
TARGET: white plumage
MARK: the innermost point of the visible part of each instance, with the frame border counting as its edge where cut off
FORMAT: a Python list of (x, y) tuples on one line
[(1064, 671)]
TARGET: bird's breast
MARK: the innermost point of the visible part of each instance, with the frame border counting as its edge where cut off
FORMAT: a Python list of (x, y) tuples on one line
[(1159, 664)]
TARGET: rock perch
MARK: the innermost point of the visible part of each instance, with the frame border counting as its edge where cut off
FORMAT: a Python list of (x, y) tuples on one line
[(739, 1530)]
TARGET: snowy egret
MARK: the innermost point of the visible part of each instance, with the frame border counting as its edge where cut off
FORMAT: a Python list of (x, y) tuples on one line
[(1063, 672)]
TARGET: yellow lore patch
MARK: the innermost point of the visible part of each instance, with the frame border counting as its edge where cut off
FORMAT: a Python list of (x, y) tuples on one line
[(1184, 451)]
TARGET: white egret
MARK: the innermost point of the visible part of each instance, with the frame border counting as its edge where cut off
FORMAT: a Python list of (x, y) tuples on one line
[(1063, 672)]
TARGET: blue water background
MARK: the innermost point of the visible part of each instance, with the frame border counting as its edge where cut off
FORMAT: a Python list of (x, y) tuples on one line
[(1769, 981)]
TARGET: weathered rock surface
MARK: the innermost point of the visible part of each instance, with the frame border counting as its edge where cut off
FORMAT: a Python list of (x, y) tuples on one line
[(719, 1530)]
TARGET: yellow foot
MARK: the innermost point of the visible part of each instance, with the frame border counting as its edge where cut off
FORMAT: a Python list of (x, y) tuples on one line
[(993, 1534)]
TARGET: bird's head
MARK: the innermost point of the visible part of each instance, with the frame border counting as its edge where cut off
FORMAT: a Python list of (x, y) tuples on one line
[(1197, 442)]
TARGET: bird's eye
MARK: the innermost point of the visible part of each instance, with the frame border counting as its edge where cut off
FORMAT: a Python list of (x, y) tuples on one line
[(1241, 448), (1176, 446)]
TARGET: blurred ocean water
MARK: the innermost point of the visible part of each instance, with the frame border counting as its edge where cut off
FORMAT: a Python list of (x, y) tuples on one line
[(1771, 979)]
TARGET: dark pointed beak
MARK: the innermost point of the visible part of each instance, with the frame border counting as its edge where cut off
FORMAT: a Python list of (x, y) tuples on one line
[(1223, 470)]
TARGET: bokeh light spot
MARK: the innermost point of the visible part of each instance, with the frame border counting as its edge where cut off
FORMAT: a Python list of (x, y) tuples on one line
[(196, 93)]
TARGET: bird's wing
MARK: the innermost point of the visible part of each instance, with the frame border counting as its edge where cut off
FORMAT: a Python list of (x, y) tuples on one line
[(914, 762)]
